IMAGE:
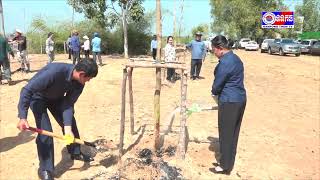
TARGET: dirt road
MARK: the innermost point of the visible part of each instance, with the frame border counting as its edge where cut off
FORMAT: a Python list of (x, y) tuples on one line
[(279, 138)]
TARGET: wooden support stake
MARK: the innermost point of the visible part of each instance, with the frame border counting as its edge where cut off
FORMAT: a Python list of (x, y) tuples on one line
[(182, 139), (157, 109), (131, 101), (123, 110)]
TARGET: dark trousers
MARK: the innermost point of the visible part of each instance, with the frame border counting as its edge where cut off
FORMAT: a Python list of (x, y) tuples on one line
[(86, 54), (170, 73), (70, 53), (154, 53), (229, 122), (195, 67), (95, 54), (75, 56), (5, 64), (45, 143)]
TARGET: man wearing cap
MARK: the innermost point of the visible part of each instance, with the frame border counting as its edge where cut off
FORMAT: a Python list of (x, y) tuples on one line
[(4, 60), (198, 52), (75, 46), (86, 46), (50, 47), (22, 53), (96, 48)]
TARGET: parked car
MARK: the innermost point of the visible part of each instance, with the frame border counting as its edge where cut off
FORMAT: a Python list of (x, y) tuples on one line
[(251, 45), (265, 45), (298, 41), (284, 46), (306, 45), (243, 42), (315, 48)]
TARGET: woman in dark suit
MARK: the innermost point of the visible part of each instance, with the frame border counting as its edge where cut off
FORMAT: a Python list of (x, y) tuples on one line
[(229, 89)]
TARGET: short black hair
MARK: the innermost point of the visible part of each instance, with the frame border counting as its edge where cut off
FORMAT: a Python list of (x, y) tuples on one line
[(90, 68), (220, 41)]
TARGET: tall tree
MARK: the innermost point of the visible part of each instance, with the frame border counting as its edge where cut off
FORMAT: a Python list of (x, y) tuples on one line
[(2, 18), (203, 28), (40, 27), (107, 14), (237, 19), (310, 10)]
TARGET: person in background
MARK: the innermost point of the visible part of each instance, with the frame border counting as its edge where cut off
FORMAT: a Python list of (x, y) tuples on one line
[(56, 88), (96, 48), (69, 47), (170, 56), (198, 53), (22, 51), (4, 60), (75, 46), (228, 88), (86, 47), (153, 46), (50, 47)]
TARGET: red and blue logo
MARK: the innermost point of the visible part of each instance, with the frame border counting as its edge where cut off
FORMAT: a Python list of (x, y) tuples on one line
[(277, 19)]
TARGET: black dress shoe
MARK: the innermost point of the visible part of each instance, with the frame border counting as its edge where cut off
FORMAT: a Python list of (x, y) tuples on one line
[(226, 172), (81, 157), (45, 175)]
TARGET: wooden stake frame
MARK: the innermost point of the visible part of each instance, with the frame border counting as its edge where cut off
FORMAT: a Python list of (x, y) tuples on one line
[(128, 74)]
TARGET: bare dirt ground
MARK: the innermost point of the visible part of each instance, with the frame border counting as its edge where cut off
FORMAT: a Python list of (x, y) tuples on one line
[(279, 138)]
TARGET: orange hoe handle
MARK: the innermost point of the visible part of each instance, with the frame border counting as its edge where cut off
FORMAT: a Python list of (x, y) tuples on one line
[(51, 134)]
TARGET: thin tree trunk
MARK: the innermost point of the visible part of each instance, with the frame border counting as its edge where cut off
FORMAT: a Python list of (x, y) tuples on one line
[(125, 30), (174, 23), (40, 44), (2, 19), (180, 22)]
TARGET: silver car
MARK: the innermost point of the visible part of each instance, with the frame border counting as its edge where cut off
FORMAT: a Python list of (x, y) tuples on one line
[(306, 45), (284, 46), (265, 45)]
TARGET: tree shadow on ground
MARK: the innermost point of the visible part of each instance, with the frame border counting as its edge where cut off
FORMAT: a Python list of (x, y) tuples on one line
[(143, 128), (8, 143), (215, 147)]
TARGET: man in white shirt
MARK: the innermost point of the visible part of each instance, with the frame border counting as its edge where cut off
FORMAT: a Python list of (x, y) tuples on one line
[(86, 47), (153, 45)]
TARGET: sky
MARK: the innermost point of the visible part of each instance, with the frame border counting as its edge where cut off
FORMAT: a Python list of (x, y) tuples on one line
[(19, 13)]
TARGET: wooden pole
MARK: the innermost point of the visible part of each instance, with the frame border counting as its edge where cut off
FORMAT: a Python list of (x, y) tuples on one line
[(159, 30), (123, 110), (183, 113), (130, 69), (157, 109), (158, 81)]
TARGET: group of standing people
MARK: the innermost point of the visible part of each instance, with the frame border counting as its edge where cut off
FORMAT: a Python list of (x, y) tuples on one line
[(227, 89), (57, 86), (198, 54), (74, 47), (5, 49)]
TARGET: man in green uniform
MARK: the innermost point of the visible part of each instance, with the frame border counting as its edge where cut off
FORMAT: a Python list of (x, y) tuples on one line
[(4, 60)]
